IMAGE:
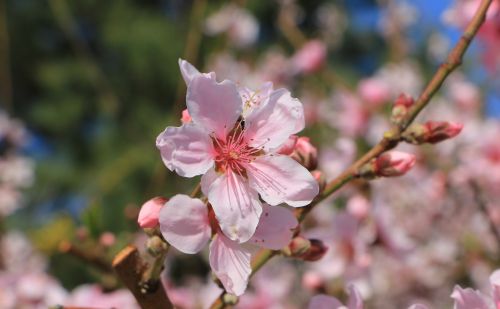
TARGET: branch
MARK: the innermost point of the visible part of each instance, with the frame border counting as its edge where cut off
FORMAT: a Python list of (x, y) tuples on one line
[(89, 257), (391, 138), (129, 267)]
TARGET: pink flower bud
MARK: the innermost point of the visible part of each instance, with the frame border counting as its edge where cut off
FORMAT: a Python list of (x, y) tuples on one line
[(305, 153), (186, 118), (297, 247), (442, 130), (393, 163), (317, 250), (431, 132), (401, 107), (150, 211), (289, 145), (310, 58)]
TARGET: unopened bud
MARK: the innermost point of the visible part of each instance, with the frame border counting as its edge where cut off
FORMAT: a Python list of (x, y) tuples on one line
[(305, 153), (320, 178), (431, 132), (297, 247), (150, 211), (400, 108), (317, 250), (392, 163), (186, 118)]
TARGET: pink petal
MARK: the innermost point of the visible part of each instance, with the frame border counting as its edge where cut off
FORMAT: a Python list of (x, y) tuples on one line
[(236, 205), (418, 306), (495, 285), (280, 179), (187, 150), (212, 105), (275, 227), (184, 223), (230, 263), (252, 100), (355, 299), (468, 298), (189, 72), (324, 302), (270, 125)]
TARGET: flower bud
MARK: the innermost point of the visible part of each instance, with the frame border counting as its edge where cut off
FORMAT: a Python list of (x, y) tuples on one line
[(431, 132), (186, 118), (317, 250), (393, 163), (156, 245), (400, 108), (150, 211), (305, 153), (297, 247), (107, 239)]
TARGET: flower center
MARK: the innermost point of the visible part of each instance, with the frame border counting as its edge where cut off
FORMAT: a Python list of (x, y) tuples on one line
[(234, 153)]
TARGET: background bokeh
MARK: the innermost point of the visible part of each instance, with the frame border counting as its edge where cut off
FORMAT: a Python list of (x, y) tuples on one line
[(88, 85)]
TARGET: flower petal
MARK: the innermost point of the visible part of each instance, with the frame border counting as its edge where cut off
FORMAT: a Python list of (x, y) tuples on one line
[(495, 286), (187, 150), (280, 179), (184, 223), (275, 227), (230, 263), (270, 125), (355, 299), (189, 72), (236, 205), (255, 99), (324, 302), (212, 105), (468, 298)]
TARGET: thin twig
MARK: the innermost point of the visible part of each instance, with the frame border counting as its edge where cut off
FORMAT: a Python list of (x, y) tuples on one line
[(88, 257), (393, 136)]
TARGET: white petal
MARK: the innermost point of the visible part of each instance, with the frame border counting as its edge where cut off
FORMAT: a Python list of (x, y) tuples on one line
[(280, 179), (212, 105), (236, 205), (275, 229), (270, 125), (230, 263), (187, 150), (184, 223)]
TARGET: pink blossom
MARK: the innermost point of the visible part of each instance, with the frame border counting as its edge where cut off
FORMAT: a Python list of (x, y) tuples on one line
[(394, 163), (310, 58), (374, 91), (233, 143), (88, 294), (148, 215), (187, 225), (305, 153), (329, 302)]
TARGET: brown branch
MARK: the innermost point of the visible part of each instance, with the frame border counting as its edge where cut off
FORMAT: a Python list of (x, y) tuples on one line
[(129, 267), (88, 257), (392, 137)]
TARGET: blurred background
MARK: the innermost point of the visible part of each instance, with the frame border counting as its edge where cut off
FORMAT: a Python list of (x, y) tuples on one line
[(86, 86)]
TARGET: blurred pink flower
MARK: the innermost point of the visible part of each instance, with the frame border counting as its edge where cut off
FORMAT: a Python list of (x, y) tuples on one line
[(187, 225), (329, 302), (468, 298), (93, 295), (234, 143), (374, 91), (310, 58), (150, 211)]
